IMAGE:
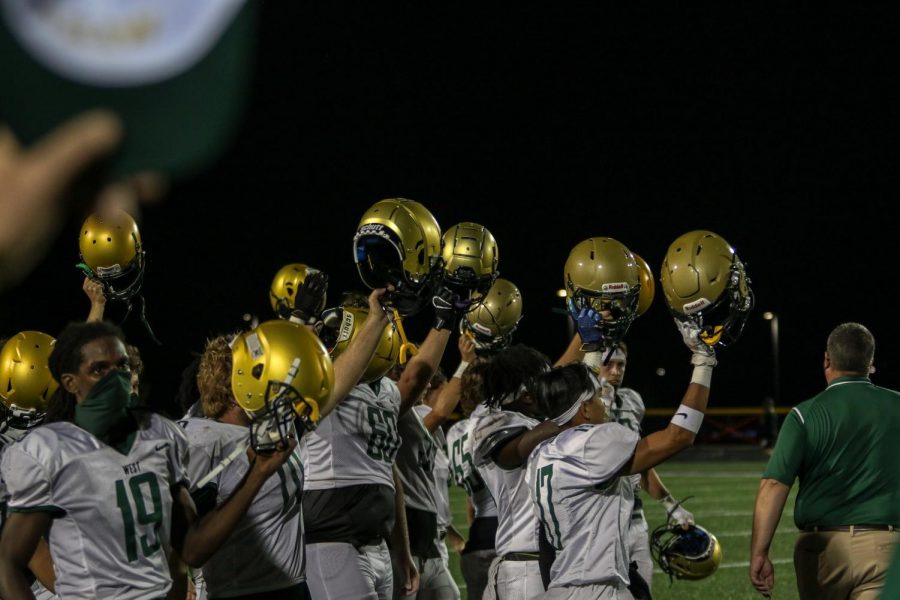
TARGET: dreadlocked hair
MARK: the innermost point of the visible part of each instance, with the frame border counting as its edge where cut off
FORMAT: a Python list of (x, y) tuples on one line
[(509, 371), (214, 377), (66, 358)]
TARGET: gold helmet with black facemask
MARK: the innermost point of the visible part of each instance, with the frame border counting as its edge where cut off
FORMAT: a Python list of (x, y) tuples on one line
[(112, 253), (492, 322), (280, 375), (398, 244), (286, 285), (704, 281), (648, 286), (602, 275), (342, 324)]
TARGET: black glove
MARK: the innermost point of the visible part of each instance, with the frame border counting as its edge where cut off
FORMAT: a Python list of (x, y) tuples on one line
[(448, 308), (310, 297)]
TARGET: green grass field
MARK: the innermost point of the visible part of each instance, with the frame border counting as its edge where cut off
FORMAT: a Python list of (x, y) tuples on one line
[(724, 493)]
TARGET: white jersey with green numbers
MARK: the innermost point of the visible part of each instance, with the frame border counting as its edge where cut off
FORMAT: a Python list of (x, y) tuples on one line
[(460, 450), (415, 462), (357, 443), (517, 525), (267, 543), (583, 505), (113, 511)]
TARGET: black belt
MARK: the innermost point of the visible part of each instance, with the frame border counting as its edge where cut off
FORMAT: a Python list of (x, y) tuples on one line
[(519, 556), (851, 528)]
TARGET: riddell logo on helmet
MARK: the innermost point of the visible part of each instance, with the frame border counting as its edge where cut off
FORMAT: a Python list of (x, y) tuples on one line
[(614, 287), (695, 306)]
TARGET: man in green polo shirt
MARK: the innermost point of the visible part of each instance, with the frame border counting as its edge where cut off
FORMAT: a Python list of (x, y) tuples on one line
[(844, 447)]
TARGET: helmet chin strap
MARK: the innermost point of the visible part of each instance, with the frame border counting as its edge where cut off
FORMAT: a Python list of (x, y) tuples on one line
[(143, 317)]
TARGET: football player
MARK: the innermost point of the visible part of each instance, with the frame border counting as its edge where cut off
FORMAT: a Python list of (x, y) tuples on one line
[(481, 510), (502, 440), (111, 477), (351, 502), (578, 479), (627, 408), (26, 386)]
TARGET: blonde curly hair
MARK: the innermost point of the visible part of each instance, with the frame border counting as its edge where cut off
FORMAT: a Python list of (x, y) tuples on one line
[(214, 377)]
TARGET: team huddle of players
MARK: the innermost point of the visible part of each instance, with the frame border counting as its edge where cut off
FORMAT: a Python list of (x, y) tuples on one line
[(314, 462)]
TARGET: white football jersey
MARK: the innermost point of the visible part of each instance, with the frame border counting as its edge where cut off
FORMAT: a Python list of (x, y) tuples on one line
[(628, 409), (460, 449), (7, 438), (357, 443), (265, 549), (441, 472), (584, 507), (113, 511), (517, 525), (415, 463)]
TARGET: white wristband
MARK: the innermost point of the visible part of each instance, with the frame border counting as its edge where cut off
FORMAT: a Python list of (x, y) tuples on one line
[(702, 374), (463, 365), (687, 418)]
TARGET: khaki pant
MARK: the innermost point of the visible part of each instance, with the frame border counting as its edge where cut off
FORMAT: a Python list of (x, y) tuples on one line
[(842, 564)]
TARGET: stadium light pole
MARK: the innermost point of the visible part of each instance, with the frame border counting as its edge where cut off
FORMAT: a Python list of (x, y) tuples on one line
[(772, 318)]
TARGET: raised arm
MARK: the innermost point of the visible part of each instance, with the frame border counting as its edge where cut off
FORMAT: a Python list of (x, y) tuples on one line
[(450, 394), (94, 291), (421, 367), (351, 364), (682, 429)]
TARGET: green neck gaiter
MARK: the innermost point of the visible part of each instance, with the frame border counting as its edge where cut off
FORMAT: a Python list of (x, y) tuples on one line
[(106, 411)]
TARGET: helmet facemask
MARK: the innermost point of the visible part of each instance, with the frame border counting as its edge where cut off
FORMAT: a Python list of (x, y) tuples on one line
[(722, 322), (23, 419), (285, 410), (685, 554), (621, 308)]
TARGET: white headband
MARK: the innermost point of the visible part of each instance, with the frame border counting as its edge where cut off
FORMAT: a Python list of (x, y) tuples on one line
[(587, 395)]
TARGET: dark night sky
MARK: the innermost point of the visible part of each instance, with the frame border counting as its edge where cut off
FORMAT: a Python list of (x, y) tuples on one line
[(775, 129)]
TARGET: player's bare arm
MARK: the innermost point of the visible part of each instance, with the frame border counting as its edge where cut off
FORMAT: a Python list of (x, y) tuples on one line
[(351, 364), (195, 540), (400, 535), (421, 367), (22, 533), (515, 452), (451, 392)]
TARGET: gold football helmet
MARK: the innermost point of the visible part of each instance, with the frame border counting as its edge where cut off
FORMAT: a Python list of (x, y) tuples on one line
[(112, 253), (602, 274), (492, 323), (470, 258), (284, 288), (648, 286), (26, 384), (694, 553), (340, 327), (398, 243), (280, 374), (704, 281)]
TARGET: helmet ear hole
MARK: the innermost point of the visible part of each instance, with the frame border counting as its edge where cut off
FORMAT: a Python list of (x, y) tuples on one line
[(257, 371)]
